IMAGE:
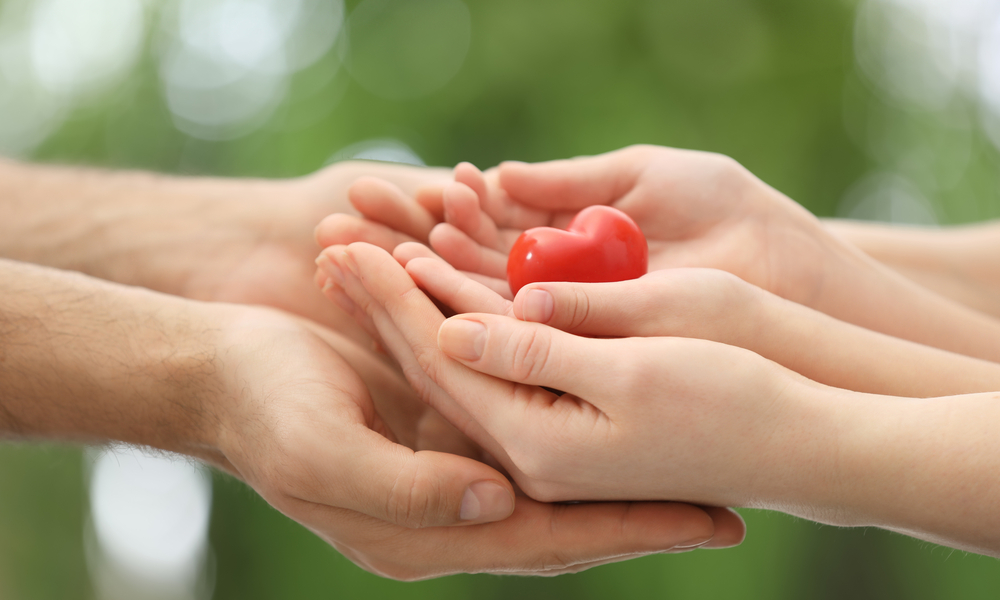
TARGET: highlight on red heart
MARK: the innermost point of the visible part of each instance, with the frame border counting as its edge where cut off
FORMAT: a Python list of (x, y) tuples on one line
[(601, 244)]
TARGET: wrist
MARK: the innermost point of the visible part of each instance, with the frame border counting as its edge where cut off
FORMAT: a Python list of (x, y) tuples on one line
[(799, 469)]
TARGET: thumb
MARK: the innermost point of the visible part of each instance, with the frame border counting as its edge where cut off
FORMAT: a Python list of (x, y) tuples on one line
[(574, 183), (421, 489), (523, 352)]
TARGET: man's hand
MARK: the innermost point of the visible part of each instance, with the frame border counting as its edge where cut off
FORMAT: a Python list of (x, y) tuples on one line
[(248, 241), (283, 404)]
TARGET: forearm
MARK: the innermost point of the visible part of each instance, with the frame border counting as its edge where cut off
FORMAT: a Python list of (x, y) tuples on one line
[(927, 468), (850, 357), (128, 227), (85, 360), (859, 290), (160, 231), (961, 263)]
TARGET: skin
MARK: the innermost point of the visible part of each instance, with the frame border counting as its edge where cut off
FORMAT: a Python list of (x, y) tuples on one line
[(714, 305), (325, 431), (696, 210), (958, 262), (667, 425)]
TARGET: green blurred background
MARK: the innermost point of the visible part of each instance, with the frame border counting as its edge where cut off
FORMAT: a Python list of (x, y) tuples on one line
[(882, 109)]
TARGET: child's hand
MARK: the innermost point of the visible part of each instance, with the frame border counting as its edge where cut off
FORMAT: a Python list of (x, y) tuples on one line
[(703, 210), (387, 301), (717, 306), (714, 410)]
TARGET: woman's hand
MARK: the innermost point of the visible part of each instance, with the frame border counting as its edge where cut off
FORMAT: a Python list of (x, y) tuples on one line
[(687, 419), (696, 210), (388, 303), (714, 305)]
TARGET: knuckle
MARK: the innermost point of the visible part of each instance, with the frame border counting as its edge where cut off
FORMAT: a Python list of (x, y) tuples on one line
[(410, 503), (579, 309), (643, 150), (729, 169), (538, 488), (530, 354)]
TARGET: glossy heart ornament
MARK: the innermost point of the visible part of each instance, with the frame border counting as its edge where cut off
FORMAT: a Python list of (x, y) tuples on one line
[(600, 244)]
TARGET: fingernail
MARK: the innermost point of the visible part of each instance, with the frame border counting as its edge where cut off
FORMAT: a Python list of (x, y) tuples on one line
[(331, 269), (538, 306), (348, 260), (486, 501), (693, 543), (339, 297), (463, 339)]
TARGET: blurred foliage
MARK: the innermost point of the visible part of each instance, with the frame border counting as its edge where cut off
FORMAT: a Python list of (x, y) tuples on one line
[(769, 82)]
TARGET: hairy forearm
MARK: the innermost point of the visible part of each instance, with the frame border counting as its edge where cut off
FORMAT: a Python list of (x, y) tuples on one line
[(961, 263), (129, 227), (87, 360)]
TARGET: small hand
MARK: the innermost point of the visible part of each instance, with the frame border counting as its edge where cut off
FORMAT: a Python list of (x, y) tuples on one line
[(696, 210), (386, 300)]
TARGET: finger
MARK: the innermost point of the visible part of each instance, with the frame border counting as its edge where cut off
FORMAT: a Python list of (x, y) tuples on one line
[(466, 254), (404, 253), (434, 432), (619, 309), (499, 286), (526, 353), (374, 476), (432, 199), (462, 210), (730, 528), (382, 202), (333, 289), (346, 229), (539, 539), (497, 203), (574, 183), (408, 322), (684, 302), (455, 290), (470, 175)]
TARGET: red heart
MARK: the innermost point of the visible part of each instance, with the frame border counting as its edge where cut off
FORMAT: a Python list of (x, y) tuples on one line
[(601, 244)]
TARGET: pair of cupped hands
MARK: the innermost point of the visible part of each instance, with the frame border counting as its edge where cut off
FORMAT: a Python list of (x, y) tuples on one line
[(671, 387)]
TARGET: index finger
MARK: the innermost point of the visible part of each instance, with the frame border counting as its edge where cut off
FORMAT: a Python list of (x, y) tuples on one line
[(575, 183)]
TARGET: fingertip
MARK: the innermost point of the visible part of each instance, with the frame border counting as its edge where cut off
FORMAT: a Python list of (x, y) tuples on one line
[(326, 229), (408, 251), (431, 198), (363, 186), (534, 304), (462, 338), (486, 502), (730, 527), (466, 168)]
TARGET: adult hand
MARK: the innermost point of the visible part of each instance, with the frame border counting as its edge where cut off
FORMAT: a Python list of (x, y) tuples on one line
[(248, 241), (388, 303), (282, 403), (266, 257), (308, 438), (692, 419)]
